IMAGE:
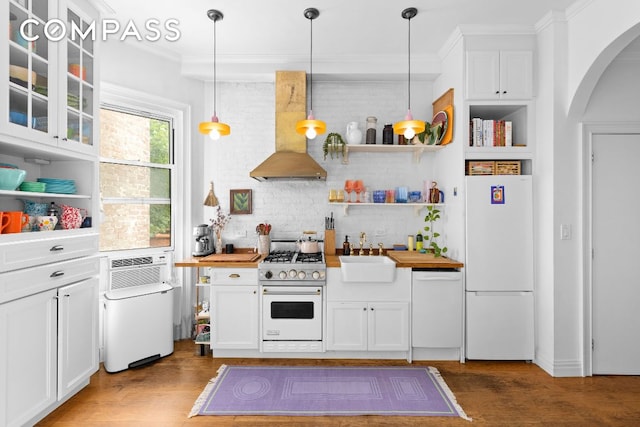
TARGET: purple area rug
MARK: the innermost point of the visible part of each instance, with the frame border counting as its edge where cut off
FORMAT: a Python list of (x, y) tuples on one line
[(316, 391)]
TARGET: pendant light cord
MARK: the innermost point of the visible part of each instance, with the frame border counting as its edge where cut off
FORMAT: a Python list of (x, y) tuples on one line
[(311, 68), (409, 63), (215, 79)]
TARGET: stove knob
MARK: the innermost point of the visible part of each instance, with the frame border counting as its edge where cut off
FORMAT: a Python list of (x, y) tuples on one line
[(282, 275), (315, 275), (302, 275), (293, 274), (268, 274)]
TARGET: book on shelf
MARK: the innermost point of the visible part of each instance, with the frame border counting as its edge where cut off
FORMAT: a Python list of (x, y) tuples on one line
[(490, 133)]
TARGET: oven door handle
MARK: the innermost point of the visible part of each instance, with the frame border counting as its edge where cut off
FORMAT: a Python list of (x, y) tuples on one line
[(309, 292)]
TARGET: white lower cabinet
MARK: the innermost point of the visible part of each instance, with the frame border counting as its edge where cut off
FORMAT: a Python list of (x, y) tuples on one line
[(49, 349), (234, 316), (368, 316), (368, 326)]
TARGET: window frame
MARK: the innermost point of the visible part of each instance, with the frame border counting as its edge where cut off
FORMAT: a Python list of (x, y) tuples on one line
[(136, 102)]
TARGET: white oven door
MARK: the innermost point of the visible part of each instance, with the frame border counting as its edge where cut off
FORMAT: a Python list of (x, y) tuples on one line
[(292, 313)]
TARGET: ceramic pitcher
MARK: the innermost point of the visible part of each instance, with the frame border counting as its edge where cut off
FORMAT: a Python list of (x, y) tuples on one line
[(354, 135), (71, 217)]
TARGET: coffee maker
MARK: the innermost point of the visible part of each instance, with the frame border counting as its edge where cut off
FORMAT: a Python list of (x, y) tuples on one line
[(203, 235)]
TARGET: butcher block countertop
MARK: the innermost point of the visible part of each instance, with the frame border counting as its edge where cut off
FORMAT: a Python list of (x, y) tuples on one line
[(238, 259), (406, 259)]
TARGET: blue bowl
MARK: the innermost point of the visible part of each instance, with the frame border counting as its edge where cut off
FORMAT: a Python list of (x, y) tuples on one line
[(415, 196), (10, 179)]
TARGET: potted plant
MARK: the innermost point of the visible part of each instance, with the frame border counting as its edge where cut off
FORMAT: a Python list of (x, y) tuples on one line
[(334, 144), (431, 236)]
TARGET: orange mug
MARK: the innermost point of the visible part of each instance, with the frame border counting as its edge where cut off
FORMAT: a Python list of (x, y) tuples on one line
[(13, 222)]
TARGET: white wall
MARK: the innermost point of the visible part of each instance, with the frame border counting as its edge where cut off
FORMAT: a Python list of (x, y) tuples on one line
[(294, 206), (592, 34)]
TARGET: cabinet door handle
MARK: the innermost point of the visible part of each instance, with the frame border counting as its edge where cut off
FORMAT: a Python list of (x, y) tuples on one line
[(57, 274), (497, 92), (234, 276), (371, 308), (56, 248), (504, 92)]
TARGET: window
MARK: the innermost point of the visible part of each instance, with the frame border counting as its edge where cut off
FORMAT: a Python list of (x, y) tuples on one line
[(136, 175)]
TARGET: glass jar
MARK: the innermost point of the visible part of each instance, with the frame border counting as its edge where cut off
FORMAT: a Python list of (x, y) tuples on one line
[(387, 134), (371, 130)]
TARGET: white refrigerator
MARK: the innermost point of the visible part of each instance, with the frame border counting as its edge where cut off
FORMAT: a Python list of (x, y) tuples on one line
[(499, 267)]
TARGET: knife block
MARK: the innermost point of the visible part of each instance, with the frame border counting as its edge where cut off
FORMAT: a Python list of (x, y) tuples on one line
[(330, 242)]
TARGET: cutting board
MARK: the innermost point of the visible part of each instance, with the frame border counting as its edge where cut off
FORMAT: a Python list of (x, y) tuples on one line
[(240, 257), (420, 260)]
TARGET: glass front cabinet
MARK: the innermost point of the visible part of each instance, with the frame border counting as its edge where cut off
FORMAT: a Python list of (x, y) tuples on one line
[(50, 82)]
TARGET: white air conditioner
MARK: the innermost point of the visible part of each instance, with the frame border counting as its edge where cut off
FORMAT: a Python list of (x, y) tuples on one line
[(138, 312), (132, 272)]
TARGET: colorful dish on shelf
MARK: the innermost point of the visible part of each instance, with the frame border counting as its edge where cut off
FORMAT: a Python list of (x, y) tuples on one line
[(439, 125), (59, 186), (34, 187), (448, 134)]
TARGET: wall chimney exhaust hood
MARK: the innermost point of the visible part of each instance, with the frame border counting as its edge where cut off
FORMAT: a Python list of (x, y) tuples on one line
[(291, 160)]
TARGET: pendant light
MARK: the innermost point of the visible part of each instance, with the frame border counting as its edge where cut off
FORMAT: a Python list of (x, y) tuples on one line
[(409, 127), (214, 128), (311, 127)]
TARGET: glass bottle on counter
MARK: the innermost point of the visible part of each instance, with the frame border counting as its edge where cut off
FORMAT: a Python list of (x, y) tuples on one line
[(387, 134), (371, 130), (419, 241), (346, 249)]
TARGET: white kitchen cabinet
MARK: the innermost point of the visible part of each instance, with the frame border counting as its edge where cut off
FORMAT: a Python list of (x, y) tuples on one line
[(77, 335), (51, 85), (49, 349), (499, 74), (368, 316), (235, 310), (372, 326), (436, 313), (28, 369)]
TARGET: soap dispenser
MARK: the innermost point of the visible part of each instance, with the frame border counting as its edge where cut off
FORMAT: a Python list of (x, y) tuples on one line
[(346, 248)]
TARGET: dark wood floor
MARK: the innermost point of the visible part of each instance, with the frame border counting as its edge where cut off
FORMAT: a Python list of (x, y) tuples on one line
[(491, 393)]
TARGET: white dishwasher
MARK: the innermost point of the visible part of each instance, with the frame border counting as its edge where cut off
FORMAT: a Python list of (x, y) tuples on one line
[(436, 312), (138, 326)]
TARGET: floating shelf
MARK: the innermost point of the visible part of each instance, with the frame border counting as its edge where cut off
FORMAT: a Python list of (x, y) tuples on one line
[(417, 150), (22, 194), (416, 206)]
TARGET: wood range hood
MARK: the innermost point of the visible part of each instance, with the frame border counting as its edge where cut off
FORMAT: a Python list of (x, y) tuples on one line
[(291, 160)]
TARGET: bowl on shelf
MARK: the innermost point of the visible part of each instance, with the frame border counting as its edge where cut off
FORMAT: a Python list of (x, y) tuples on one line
[(415, 196), (11, 178)]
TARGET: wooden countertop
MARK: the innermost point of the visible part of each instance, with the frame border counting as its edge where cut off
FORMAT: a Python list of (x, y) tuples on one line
[(221, 262), (403, 259), (406, 259)]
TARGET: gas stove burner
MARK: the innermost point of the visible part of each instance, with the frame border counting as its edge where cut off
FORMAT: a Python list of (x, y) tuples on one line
[(315, 257), (279, 256)]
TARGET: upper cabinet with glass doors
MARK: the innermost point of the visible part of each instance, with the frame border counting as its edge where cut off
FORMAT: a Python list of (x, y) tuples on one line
[(51, 80)]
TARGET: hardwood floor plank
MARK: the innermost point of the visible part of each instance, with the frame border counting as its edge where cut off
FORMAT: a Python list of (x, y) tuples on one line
[(492, 393)]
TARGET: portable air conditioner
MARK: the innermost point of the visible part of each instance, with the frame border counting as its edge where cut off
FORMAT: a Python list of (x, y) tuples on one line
[(138, 312)]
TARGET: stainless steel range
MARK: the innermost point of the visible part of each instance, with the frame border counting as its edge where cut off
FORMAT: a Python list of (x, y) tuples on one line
[(292, 286)]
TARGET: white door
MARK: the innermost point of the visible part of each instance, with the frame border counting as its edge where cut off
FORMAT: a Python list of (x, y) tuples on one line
[(347, 326), (388, 328), (234, 317), (616, 233)]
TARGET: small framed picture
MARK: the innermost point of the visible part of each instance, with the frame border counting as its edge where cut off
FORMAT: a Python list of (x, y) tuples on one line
[(240, 202)]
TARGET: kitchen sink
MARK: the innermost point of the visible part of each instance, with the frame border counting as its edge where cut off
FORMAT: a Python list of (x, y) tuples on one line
[(367, 269)]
